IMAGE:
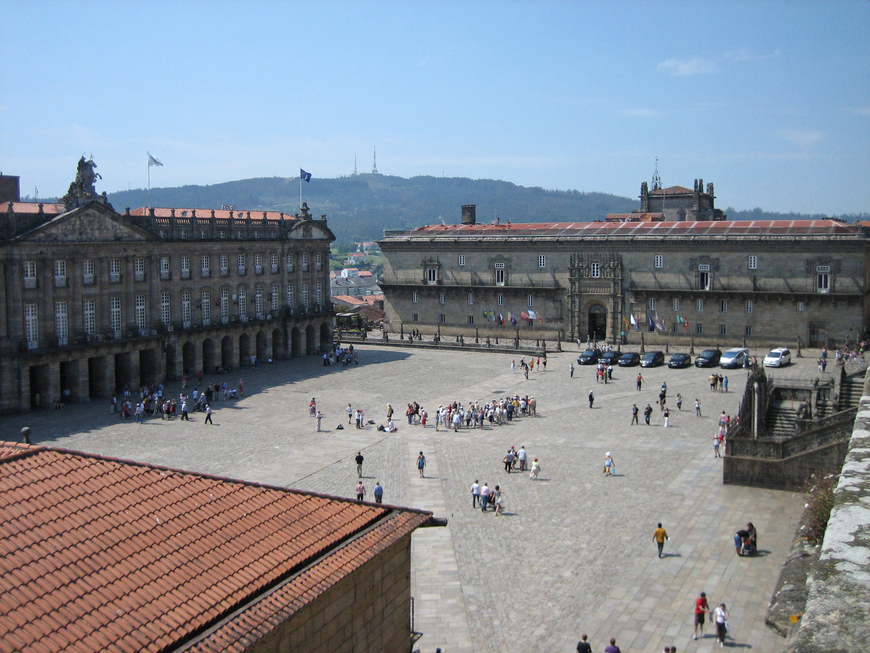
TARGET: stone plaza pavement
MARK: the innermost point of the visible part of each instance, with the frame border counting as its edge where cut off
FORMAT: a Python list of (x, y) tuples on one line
[(573, 552)]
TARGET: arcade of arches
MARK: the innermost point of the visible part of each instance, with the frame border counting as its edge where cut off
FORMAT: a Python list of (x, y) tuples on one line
[(107, 371)]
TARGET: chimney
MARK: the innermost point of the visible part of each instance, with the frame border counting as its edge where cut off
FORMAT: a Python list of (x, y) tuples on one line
[(468, 213)]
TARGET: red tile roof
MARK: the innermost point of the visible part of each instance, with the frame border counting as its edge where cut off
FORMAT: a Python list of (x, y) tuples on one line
[(599, 229), (673, 190), (99, 554), (32, 207)]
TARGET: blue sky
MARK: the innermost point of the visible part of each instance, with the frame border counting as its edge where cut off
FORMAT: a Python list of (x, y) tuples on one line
[(768, 100)]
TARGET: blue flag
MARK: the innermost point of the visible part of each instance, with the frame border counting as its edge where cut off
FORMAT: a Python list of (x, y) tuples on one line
[(306, 176)]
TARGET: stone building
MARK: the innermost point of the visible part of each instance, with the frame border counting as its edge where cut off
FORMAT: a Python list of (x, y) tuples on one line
[(158, 559), (94, 300), (709, 281)]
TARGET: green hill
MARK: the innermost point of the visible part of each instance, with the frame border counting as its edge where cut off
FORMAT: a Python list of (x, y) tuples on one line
[(360, 207)]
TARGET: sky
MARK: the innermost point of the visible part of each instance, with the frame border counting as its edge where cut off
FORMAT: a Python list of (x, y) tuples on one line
[(768, 100)]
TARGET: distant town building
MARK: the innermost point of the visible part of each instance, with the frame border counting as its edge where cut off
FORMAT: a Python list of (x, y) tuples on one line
[(692, 276), (353, 282)]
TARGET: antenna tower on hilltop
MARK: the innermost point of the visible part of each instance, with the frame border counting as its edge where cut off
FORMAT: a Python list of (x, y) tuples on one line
[(354, 165), (375, 164), (656, 180)]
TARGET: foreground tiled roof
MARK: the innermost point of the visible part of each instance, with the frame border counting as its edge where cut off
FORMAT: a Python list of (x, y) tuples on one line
[(670, 229), (103, 554)]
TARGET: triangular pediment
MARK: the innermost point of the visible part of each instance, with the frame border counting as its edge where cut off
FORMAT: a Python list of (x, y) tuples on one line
[(310, 230), (92, 223)]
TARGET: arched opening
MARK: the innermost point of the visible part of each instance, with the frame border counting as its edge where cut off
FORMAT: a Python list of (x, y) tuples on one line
[(124, 372), (278, 348), (262, 346), (188, 358), (310, 342), (226, 352), (170, 362), (148, 366), (295, 343), (325, 336), (244, 350), (597, 329), (208, 362)]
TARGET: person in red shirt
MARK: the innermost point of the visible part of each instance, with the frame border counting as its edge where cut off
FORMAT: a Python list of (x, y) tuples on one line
[(701, 609)]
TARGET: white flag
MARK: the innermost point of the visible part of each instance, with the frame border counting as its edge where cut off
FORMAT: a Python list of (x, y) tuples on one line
[(152, 161)]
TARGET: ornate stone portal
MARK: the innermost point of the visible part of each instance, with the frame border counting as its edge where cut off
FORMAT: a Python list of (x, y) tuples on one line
[(82, 190)]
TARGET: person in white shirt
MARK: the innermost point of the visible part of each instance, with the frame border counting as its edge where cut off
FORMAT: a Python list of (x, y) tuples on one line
[(475, 494)]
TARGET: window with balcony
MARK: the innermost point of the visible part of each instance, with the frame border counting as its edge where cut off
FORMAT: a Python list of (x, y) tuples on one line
[(499, 274), (224, 265), (60, 274), (141, 317), (139, 269), (89, 316), (165, 308), (431, 276), (31, 325), (704, 277), (115, 316), (115, 270), (185, 267), (225, 305), (290, 295), (823, 278), (318, 294), (185, 309), (242, 264), (165, 268), (61, 323), (242, 298), (205, 307), (30, 274), (273, 297), (206, 266), (258, 302), (305, 294), (258, 264)]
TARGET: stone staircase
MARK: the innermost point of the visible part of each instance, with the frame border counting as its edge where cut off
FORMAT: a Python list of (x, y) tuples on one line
[(851, 391), (781, 420)]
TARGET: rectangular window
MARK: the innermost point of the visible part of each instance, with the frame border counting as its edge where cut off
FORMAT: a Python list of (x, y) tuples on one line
[(442, 318), (273, 260), (115, 315), (531, 300), (499, 277), (165, 308), (318, 294), (652, 303), (823, 282), (258, 263), (61, 322), (703, 281), (164, 267), (752, 262), (699, 305), (800, 307), (462, 259), (88, 272), (206, 266), (115, 270), (471, 319), (595, 270), (141, 318), (499, 299), (60, 274), (290, 295), (224, 262), (305, 294), (274, 296), (415, 318), (185, 267), (723, 330), (205, 306), (747, 330), (290, 262), (749, 306), (414, 297), (258, 302), (699, 329), (225, 305), (676, 304), (89, 316), (723, 306), (318, 262), (659, 261), (31, 325), (185, 308), (442, 298), (30, 274), (542, 261), (241, 263), (139, 269), (470, 298), (242, 298), (431, 275), (304, 262)]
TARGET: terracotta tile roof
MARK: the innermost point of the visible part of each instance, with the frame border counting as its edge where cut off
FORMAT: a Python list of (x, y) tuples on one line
[(219, 214), (600, 229), (673, 190), (32, 207), (357, 301), (99, 554)]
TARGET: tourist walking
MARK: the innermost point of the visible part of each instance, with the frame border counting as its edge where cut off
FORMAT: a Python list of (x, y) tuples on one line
[(667, 416), (720, 618), (639, 381), (484, 497), (508, 461), (613, 648), (498, 495), (360, 491), (647, 413), (701, 610), (697, 408), (679, 402), (319, 418), (475, 494), (536, 469), (208, 415), (634, 413), (421, 464), (583, 646), (609, 465), (359, 462), (378, 492), (660, 535), (349, 413), (591, 398), (521, 457)]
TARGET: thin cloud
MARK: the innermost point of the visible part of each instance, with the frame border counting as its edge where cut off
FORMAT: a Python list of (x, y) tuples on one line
[(858, 111), (680, 68), (641, 113), (802, 137)]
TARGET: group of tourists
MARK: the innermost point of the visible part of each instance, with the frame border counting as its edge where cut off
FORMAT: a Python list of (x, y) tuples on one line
[(486, 497), (345, 356), (718, 383)]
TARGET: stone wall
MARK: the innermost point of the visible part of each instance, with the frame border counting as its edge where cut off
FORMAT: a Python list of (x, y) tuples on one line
[(369, 610)]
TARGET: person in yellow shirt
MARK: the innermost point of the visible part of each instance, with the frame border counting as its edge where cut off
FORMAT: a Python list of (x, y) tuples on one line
[(660, 535)]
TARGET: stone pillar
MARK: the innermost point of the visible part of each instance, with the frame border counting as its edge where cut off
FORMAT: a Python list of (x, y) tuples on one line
[(78, 379), (54, 386)]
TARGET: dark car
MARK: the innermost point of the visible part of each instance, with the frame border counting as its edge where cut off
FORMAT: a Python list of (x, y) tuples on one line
[(708, 358), (653, 359), (589, 357), (629, 360), (610, 357), (680, 360)]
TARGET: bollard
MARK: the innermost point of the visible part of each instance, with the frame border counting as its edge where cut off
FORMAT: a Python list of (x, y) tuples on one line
[(25, 434)]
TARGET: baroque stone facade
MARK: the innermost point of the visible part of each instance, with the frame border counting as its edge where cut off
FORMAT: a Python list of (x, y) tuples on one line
[(94, 300), (704, 281)]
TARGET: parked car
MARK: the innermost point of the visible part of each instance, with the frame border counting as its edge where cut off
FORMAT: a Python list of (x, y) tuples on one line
[(708, 358), (653, 359), (733, 358), (589, 357), (629, 359), (778, 357), (610, 357), (680, 360)]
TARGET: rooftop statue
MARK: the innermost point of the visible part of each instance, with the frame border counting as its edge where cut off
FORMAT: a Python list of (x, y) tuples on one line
[(82, 190)]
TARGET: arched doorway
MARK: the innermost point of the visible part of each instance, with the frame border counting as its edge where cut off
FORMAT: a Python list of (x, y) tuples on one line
[(188, 358), (325, 335), (295, 342), (208, 364), (262, 346), (170, 362), (597, 321), (310, 343), (226, 352), (244, 350), (278, 350)]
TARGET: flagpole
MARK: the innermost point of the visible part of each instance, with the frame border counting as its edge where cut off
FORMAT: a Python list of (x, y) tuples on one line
[(300, 190), (148, 164)]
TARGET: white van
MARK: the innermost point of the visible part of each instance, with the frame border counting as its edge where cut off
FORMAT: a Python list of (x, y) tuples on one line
[(733, 357)]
